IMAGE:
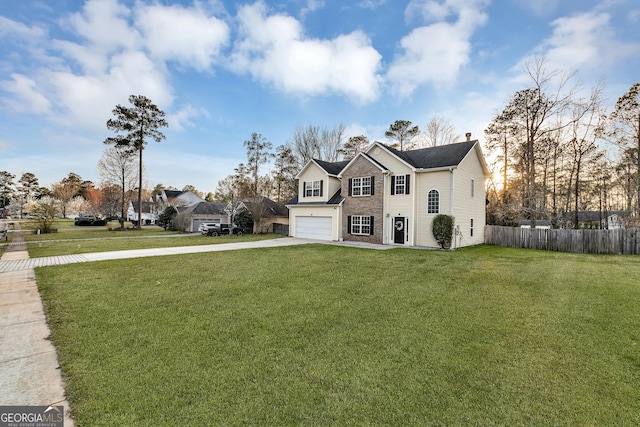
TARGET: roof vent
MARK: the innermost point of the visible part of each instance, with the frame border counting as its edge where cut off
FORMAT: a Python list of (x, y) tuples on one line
[(468, 135)]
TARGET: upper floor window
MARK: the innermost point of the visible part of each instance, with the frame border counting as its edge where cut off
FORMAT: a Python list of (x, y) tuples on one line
[(433, 202), (400, 184), (473, 187), (362, 186), (313, 188)]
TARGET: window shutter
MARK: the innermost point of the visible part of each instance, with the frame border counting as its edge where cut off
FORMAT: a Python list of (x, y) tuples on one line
[(350, 185), (406, 184), (304, 189), (393, 185), (373, 178), (349, 224), (371, 226), (321, 187)]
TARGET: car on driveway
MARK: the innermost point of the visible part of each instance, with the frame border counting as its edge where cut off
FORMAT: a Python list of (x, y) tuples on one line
[(219, 229), (206, 225)]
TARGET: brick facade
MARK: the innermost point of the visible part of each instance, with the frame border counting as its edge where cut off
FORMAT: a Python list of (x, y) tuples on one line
[(363, 205)]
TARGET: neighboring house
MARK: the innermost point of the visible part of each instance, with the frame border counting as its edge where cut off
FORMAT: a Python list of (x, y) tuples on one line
[(177, 198), (148, 212), (205, 212), (391, 197), (610, 220), (271, 215), (539, 224)]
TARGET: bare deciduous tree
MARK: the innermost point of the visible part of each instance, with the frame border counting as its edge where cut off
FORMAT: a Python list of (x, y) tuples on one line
[(117, 166), (439, 131)]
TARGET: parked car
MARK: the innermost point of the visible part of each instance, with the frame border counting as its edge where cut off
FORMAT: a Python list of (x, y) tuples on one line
[(206, 225), (219, 229), (89, 220)]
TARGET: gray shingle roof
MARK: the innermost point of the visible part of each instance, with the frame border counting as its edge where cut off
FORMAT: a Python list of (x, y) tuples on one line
[(206, 208), (332, 168), (436, 157)]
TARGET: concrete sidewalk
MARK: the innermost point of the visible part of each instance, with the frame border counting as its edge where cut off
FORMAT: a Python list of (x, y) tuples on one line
[(29, 369)]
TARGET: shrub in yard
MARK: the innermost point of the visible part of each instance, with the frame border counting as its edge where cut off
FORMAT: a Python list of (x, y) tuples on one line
[(244, 220), (442, 229), (45, 212), (181, 222), (167, 217)]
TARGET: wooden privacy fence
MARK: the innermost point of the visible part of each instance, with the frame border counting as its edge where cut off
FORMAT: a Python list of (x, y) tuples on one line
[(620, 241)]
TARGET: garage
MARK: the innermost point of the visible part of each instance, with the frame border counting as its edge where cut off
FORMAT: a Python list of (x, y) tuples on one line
[(313, 227)]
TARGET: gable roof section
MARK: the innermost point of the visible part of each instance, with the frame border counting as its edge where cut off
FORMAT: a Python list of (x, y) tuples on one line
[(205, 208), (330, 168), (270, 208), (365, 156)]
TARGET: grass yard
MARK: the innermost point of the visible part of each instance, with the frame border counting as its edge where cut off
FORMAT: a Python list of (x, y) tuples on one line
[(329, 335)]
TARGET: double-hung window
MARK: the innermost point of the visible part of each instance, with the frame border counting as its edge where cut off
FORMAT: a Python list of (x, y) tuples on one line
[(361, 186), (312, 189), (433, 202), (360, 224), (400, 184)]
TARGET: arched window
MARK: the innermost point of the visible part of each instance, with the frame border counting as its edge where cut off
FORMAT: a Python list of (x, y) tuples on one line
[(433, 202)]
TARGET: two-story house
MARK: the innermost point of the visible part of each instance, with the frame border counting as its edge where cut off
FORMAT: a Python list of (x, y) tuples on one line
[(390, 197)]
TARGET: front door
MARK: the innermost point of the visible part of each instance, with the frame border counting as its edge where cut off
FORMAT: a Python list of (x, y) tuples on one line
[(399, 231)]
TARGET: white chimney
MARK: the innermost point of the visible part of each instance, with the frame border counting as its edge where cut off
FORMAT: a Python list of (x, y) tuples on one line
[(468, 135)]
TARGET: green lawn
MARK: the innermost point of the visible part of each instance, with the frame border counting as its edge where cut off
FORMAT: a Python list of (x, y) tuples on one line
[(327, 335)]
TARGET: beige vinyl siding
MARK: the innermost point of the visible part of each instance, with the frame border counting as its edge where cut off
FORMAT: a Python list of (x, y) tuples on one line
[(467, 207), (426, 182), (314, 173)]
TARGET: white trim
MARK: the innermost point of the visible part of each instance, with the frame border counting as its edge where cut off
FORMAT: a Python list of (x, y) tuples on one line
[(366, 157)]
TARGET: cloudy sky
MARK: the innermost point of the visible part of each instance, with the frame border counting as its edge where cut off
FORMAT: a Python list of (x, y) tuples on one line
[(224, 69)]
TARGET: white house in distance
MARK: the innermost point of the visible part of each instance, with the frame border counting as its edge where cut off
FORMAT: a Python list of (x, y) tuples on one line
[(390, 197)]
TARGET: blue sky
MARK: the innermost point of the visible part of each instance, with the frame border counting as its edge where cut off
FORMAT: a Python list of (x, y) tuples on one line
[(224, 69)]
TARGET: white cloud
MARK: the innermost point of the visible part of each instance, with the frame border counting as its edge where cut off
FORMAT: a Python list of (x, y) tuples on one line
[(585, 41), (105, 24), (435, 53), (370, 4), (87, 100), (188, 36), (25, 97), (539, 7), (311, 6), (183, 117), (275, 50), (19, 30)]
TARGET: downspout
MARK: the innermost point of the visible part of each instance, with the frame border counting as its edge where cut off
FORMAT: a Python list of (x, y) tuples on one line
[(414, 213), (451, 204), (385, 208)]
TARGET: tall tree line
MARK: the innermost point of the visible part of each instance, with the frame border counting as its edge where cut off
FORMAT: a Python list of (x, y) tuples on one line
[(558, 153)]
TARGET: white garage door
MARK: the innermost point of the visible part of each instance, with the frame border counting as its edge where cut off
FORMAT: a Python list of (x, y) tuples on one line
[(313, 227)]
